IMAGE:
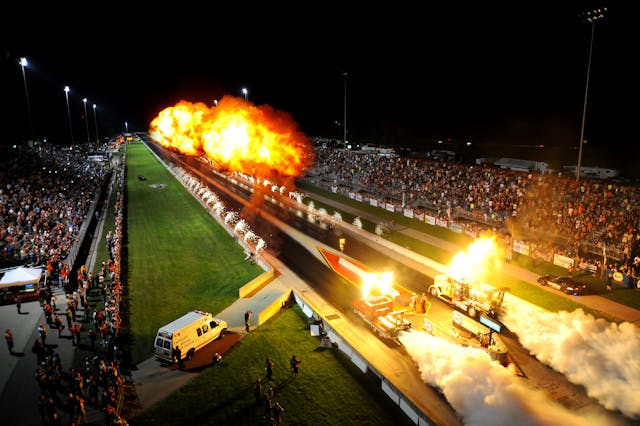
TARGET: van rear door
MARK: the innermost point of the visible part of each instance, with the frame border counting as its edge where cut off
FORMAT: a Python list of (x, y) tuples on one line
[(162, 349)]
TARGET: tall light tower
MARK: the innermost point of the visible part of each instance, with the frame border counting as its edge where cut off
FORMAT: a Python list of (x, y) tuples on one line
[(590, 16), (66, 93), (24, 63), (344, 124), (245, 92), (126, 127), (95, 121), (86, 118)]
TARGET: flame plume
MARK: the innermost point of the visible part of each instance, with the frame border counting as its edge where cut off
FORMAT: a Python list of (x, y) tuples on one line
[(236, 136)]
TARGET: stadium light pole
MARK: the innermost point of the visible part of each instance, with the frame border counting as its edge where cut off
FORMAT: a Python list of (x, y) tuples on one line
[(126, 127), (344, 121), (86, 118), (245, 92), (66, 93), (95, 121), (24, 63), (590, 16)]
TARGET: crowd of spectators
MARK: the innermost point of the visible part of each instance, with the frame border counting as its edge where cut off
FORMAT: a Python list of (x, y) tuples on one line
[(46, 192), (102, 377), (559, 208)]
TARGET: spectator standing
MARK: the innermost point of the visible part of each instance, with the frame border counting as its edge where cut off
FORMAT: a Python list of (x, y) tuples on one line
[(268, 406), (75, 334), (18, 304), (412, 304), (257, 390), (92, 339), (277, 413), (42, 332), (58, 323), (423, 303), (270, 392), (177, 354), (295, 365), (69, 316), (8, 336), (269, 368), (247, 319)]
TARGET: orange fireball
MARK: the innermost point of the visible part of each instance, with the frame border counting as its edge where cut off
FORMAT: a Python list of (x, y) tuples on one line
[(237, 136)]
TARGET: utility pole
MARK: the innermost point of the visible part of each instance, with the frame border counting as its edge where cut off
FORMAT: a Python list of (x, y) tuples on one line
[(344, 121), (590, 16)]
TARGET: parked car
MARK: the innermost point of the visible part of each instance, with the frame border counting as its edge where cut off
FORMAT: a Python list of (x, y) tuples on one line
[(566, 285)]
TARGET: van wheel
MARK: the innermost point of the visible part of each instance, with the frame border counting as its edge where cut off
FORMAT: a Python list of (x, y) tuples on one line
[(190, 353), (222, 333)]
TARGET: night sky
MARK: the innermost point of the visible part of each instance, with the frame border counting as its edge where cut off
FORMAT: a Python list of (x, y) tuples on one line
[(504, 76)]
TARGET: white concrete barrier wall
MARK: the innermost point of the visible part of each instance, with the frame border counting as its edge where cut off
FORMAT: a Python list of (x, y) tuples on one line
[(359, 362), (391, 393), (409, 410)]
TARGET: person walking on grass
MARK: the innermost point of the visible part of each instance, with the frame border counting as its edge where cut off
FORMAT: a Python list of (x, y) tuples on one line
[(269, 368), (295, 365), (277, 411)]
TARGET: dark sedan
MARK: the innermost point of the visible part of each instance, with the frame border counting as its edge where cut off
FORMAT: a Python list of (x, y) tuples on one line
[(566, 285)]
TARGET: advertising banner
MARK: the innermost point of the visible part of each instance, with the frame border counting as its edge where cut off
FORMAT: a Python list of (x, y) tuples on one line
[(408, 213), (373, 202), (521, 247), (441, 222), (430, 219), (562, 261), (455, 227)]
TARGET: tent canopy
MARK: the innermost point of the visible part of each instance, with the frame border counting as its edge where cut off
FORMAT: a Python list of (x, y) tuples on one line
[(21, 276)]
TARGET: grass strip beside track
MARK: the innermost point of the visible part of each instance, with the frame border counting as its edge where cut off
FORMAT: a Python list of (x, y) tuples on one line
[(179, 257), (329, 390)]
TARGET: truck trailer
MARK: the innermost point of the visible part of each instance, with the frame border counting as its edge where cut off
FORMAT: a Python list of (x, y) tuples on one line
[(378, 312), (470, 300)]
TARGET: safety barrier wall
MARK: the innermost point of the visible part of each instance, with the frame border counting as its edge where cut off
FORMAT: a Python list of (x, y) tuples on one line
[(257, 283)]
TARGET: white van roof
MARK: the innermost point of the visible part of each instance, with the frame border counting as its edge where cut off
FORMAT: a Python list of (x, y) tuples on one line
[(183, 321)]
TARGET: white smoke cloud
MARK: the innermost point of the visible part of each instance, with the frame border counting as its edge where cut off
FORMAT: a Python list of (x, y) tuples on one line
[(603, 357), (481, 390)]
